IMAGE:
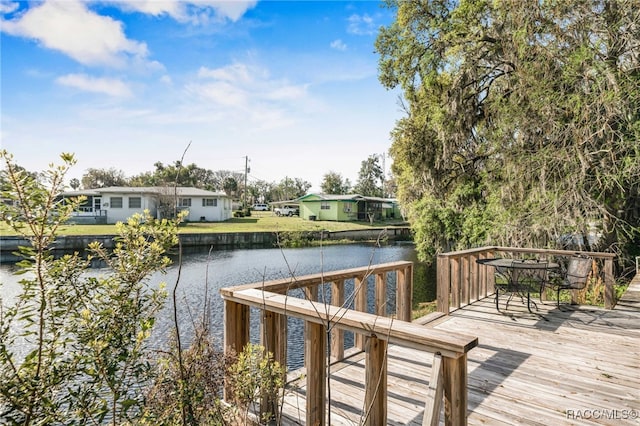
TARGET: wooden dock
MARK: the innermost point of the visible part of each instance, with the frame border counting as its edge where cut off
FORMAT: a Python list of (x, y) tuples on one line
[(578, 365)]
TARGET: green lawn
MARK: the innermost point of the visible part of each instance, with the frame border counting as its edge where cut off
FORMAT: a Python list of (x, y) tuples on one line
[(257, 222)]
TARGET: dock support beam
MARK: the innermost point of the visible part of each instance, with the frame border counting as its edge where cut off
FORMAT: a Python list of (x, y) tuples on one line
[(375, 399), (455, 390), (236, 333), (314, 358)]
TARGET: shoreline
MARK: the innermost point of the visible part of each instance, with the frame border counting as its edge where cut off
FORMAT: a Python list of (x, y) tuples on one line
[(219, 240)]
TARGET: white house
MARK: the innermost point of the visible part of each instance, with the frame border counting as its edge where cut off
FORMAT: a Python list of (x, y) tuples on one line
[(118, 203)]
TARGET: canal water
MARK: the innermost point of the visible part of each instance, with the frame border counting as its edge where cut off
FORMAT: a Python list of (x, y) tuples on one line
[(205, 272)]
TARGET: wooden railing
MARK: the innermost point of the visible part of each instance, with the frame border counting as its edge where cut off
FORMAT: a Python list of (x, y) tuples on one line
[(461, 280), (372, 333)]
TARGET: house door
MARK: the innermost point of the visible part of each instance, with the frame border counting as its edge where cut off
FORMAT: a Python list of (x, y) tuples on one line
[(362, 210), (97, 205)]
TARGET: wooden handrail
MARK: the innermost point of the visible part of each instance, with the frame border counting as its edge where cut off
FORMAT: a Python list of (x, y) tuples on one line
[(337, 279), (282, 285), (484, 249), (461, 281), (415, 336), (451, 348), (372, 333)]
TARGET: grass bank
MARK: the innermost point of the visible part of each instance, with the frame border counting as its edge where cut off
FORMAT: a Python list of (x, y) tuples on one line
[(257, 222)]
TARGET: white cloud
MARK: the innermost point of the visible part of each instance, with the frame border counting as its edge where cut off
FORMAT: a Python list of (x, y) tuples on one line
[(108, 86), (152, 7), (8, 6), (196, 12), (361, 25), (241, 90), (238, 73), (232, 10), (239, 84), (69, 27), (338, 45)]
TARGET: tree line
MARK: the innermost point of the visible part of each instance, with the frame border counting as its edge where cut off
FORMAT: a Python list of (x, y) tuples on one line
[(371, 181)]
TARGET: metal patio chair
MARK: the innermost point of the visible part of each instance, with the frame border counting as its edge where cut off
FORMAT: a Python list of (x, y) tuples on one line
[(525, 277), (574, 278)]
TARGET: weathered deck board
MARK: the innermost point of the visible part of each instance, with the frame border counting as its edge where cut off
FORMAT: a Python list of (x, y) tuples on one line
[(528, 368)]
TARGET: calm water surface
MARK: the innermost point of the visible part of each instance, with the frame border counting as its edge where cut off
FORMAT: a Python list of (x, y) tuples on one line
[(203, 272)]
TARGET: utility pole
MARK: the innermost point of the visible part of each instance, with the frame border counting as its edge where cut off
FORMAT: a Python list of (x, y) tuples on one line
[(246, 172), (383, 174), (286, 187)]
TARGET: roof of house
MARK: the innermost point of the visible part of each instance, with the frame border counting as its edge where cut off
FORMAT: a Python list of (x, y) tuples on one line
[(345, 197), (332, 197), (181, 191)]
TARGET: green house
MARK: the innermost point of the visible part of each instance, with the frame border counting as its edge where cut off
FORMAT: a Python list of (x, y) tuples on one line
[(349, 207)]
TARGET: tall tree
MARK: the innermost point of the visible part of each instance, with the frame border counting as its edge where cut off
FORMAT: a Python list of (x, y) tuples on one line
[(333, 183), (5, 179), (522, 120), (370, 177), (184, 175), (261, 191), (230, 186), (291, 188), (74, 183), (221, 176), (102, 178)]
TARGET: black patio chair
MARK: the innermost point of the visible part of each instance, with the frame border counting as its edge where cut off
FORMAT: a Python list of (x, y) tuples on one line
[(527, 276), (516, 278), (574, 278)]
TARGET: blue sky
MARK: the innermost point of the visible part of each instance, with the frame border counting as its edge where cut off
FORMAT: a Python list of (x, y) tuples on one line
[(291, 84)]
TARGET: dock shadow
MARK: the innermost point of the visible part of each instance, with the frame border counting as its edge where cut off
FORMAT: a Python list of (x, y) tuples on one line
[(487, 377)]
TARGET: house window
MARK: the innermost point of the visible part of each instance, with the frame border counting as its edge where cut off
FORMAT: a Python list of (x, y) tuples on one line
[(184, 202), (116, 202), (346, 207), (135, 202), (325, 205), (209, 202)]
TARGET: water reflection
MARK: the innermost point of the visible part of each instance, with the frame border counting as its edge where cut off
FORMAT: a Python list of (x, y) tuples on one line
[(202, 273)]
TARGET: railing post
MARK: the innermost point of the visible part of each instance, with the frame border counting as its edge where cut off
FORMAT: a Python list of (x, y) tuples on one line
[(435, 393), (443, 284), (274, 340), (311, 293), (315, 349), (375, 399), (274, 335), (455, 390), (465, 281), (482, 277), (404, 293), (490, 276), (609, 292), (381, 294), (236, 333), (476, 289), (360, 287), (337, 335), (455, 282)]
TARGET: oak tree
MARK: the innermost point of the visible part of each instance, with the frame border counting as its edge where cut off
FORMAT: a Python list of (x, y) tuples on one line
[(333, 183), (522, 121)]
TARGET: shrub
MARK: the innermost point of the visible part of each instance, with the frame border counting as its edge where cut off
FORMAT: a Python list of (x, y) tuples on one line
[(256, 379), (72, 346), (188, 388)]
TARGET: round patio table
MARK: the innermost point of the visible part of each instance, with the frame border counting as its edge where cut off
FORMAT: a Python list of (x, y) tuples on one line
[(521, 276)]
